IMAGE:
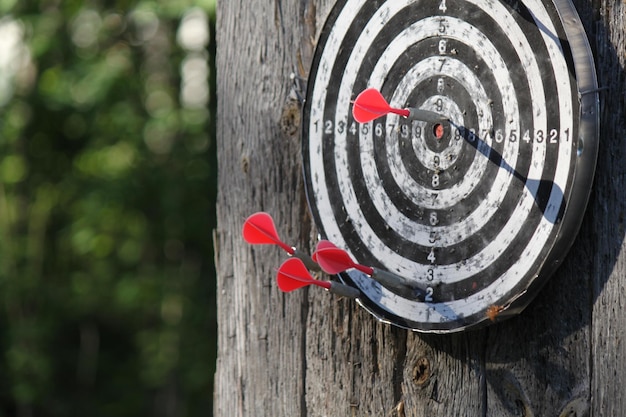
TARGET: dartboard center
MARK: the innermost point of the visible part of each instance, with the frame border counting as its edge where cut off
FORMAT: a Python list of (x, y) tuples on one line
[(438, 131)]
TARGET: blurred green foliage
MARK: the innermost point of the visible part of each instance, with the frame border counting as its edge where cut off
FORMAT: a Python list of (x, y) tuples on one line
[(107, 203)]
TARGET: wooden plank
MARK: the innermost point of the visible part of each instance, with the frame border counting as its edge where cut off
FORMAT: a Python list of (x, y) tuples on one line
[(260, 362), (608, 209), (311, 354)]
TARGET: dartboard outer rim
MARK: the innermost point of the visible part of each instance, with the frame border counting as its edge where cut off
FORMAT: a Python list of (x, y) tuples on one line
[(582, 178)]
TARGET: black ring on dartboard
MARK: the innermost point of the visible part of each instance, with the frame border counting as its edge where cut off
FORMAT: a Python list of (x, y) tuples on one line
[(471, 148)]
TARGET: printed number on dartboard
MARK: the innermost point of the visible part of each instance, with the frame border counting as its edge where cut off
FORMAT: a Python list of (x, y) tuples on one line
[(551, 136)]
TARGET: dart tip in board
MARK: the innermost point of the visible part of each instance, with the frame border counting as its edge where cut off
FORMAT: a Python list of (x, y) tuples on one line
[(438, 131)]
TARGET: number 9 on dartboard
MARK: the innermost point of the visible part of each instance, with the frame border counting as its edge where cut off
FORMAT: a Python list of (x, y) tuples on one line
[(474, 189)]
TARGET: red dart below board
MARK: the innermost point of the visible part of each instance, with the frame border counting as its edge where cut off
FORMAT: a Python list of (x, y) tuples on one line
[(293, 275), (259, 229), (334, 260)]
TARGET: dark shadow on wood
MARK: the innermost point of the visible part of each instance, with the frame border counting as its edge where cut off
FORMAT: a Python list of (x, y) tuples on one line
[(541, 189)]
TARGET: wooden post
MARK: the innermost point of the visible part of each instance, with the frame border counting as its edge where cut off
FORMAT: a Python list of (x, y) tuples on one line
[(311, 354)]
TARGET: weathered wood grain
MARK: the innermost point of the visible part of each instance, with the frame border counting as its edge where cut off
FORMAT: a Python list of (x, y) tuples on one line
[(310, 354), (608, 351)]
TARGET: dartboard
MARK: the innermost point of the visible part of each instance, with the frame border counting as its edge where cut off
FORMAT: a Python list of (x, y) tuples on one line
[(478, 210)]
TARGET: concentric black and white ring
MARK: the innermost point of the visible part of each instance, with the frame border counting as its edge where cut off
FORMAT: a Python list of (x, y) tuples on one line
[(479, 234)]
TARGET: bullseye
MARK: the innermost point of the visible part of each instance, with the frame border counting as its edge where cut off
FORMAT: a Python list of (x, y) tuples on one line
[(439, 145), (438, 131)]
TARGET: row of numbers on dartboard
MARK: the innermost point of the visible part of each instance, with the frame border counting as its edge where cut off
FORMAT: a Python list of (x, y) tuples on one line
[(417, 131)]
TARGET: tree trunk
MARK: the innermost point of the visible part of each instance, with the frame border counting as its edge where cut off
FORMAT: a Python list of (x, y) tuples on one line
[(308, 353)]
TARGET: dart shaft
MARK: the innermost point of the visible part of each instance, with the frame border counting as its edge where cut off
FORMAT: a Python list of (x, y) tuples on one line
[(306, 260), (398, 284), (426, 116), (344, 290), (401, 112)]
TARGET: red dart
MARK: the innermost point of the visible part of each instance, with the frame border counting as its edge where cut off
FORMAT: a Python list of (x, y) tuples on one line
[(334, 260), (321, 245), (293, 274), (259, 229), (371, 104)]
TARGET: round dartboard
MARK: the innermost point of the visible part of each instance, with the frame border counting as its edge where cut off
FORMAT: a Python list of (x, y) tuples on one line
[(480, 209)]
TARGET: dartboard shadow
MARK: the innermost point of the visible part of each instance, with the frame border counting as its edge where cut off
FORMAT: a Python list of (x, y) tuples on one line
[(542, 190)]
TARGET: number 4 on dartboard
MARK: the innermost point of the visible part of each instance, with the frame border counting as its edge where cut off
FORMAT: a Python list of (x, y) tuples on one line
[(442, 6)]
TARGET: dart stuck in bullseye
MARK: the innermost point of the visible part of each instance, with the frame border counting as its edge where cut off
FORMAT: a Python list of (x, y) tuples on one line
[(334, 260), (259, 229), (293, 274), (370, 104)]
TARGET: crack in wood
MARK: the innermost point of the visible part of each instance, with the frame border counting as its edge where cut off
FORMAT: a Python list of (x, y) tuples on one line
[(482, 378), (308, 41), (278, 15), (421, 371), (303, 351), (399, 362)]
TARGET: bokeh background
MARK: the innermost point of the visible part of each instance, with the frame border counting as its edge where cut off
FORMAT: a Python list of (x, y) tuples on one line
[(107, 206)]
